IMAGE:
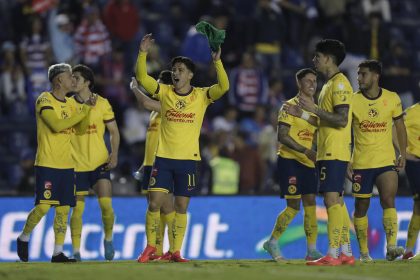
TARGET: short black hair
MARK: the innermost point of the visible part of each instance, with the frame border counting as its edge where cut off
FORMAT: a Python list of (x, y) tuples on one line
[(187, 61), (372, 65), (332, 47), (303, 72), (86, 73), (165, 77)]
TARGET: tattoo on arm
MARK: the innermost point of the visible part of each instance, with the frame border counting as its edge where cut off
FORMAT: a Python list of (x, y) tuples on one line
[(285, 139), (338, 118)]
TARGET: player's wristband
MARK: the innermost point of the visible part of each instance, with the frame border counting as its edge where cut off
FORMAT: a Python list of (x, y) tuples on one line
[(305, 115)]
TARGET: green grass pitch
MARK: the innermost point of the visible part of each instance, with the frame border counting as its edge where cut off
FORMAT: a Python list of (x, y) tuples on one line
[(203, 270)]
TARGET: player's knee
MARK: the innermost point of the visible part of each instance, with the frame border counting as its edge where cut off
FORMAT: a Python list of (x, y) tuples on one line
[(78, 209), (387, 202), (294, 203), (154, 206), (42, 209)]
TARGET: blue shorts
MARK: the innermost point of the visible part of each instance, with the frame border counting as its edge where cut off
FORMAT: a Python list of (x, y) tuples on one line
[(54, 186), (147, 170), (364, 179), (174, 176), (296, 179), (332, 174), (86, 180), (412, 169)]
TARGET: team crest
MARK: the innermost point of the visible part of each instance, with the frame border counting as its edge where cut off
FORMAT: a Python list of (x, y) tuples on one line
[(64, 115), (292, 189), (47, 194), (343, 98), (152, 181), (356, 187), (373, 113), (180, 105)]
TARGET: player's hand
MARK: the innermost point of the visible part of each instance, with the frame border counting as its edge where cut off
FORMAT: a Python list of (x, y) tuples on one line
[(349, 172), (292, 109), (146, 43), (216, 55), (400, 163), (307, 104), (111, 162), (134, 84), (311, 154), (91, 101)]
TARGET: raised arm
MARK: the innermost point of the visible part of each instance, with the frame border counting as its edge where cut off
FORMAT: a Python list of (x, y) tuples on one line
[(146, 81), (218, 90), (142, 98)]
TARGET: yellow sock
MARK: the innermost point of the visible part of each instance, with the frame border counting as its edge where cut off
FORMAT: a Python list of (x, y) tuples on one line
[(152, 227), (76, 224), (335, 225), (310, 225), (60, 223), (169, 221), (178, 230), (160, 236), (107, 216), (413, 231), (345, 232), (283, 220), (361, 226), (390, 222), (34, 217)]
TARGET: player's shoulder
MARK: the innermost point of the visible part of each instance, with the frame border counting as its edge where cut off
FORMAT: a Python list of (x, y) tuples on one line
[(413, 108), (389, 93), (341, 81), (45, 99)]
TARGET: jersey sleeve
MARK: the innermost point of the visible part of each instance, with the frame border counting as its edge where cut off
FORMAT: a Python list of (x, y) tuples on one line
[(284, 118), (108, 114), (43, 103), (342, 93), (161, 90), (398, 111)]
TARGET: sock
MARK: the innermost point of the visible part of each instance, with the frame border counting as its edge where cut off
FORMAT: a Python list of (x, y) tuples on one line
[(152, 227), (107, 216), (160, 235), (60, 227), (361, 226), (390, 222), (283, 220), (178, 230), (311, 226), (33, 219), (345, 232), (76, 225), (413, 231), (169, 221), (335, 225)]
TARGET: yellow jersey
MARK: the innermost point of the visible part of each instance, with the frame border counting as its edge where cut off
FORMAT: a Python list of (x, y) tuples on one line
[(54, 149), (412, 124), (372, 129), (89, 149), (334, 143), (301, 131), (152, 137)]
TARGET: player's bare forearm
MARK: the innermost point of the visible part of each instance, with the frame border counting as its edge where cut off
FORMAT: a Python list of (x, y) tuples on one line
[(218, 90), (284, 138), (339, 118), (115, 144), (401, 136)]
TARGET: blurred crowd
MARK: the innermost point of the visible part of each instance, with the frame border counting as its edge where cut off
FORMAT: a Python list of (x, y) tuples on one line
[(267, 42)]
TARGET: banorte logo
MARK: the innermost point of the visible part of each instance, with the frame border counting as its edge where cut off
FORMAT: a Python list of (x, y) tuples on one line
[(369, 126), (294, 233), (175, 116)]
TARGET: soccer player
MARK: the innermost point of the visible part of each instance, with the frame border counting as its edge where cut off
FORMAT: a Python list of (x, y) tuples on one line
[(412, 167), (167, 212), (333, 150), (54, 167), (175, 167), (375, 109), (92, 160), (296, 169)]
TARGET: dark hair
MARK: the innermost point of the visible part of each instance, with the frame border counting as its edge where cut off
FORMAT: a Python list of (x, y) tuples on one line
[(332, 47), (86, 73), (372, 65), (187, 61), (165, 77), (303, 72)]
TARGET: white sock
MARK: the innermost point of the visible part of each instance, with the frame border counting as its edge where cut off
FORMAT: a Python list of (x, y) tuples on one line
[(346, 249), (272, 240), (311, 247), (24, 237), (57, 249), (334, 252), (75, 251)]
